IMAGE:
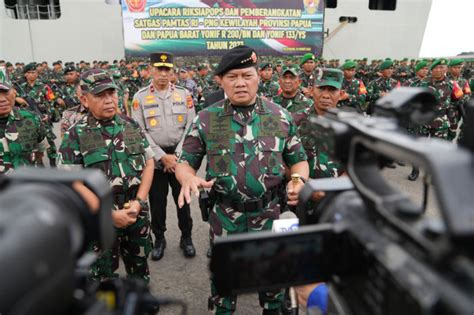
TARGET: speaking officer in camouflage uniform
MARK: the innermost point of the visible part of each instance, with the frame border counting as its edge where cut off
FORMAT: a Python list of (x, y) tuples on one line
[(37, 91), (291, 98), (353, 91), (448, 95), (22, 135), (165, 112), (382, 85), (267, 88), (115, 144), (248, 142)]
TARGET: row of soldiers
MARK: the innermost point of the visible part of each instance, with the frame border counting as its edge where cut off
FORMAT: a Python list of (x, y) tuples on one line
[(51, 91)]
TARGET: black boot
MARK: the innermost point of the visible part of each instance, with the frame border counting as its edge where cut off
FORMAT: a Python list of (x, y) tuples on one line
[(159, 250), (414, 174), (186, 244)]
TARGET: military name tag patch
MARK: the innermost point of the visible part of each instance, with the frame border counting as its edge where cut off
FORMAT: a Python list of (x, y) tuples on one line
[(151, 106)]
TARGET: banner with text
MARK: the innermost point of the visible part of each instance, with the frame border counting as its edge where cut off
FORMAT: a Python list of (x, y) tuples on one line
[(210, 27)]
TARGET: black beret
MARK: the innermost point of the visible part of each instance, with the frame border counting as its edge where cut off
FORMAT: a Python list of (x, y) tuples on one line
[(55, 63), (69, 68), (29, 67), (239, 57)]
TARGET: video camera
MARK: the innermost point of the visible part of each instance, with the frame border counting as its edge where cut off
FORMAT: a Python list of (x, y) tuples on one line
[(47, 220), (379, 252)]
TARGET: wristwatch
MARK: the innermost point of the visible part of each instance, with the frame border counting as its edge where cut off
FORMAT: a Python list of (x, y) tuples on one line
[(143, 204)]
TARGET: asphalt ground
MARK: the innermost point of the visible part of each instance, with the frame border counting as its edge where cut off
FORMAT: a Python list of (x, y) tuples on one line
[(187, 279)]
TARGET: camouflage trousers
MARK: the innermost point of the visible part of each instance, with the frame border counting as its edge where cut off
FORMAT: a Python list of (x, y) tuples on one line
[(134, 244), (227, 221), (453, 118), (438, 128), (52, 151)]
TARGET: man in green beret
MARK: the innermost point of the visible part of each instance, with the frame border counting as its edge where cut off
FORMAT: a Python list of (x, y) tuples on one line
[(421, 72), (307, 74), (444, 125), (267, 88), (291, 96), (353, 91), (455, 68), (382, 85)]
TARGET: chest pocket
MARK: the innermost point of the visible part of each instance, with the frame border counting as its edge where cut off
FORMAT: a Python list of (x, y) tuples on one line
[(134, 148), (272, 159), (94, 150), (180, 115), (152, 117), (220, 163), (27, 136)]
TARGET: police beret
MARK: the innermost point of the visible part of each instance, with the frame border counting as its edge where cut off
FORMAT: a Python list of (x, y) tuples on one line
[(386, 65), (69, 69), (306, 57), (349, 65), (30, 67), (162, 59), (420, 65), (264, 65), (456, 62), (439, 62), (239, 57)]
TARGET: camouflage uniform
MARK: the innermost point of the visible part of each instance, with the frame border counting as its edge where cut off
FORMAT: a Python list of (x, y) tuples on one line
[(377, 87), (191, 86), (71, 116), (295, 104), (37, 92), (321, 165), (246, 155), (67, 93), (357, 92), (117, 147), (268, 89), (307, 79), (444, 126), (22, 140)]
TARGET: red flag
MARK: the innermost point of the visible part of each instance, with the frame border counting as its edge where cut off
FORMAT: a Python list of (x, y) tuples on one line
[(362, 89), (457, 91), (398, 84), (50, 94), (467, 88)]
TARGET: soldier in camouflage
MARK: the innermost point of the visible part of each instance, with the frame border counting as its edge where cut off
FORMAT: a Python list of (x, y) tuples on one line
[(205, 85), (248, 141), (67, 92), (291, 98), (189, 84), (115, 144), (307, 74), (267, 88), (122, 91), (353, 91), (421, 72), (326, 94), (454, 73), (22, 135), (73, 114), (38, 92), (403, 73), (448, 95), (381, 86)]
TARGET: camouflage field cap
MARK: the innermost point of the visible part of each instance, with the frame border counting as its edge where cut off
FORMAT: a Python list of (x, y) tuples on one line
[(96, 81), (4, 86), (162, 59), (329, 77), (291, 70), (439, 62)]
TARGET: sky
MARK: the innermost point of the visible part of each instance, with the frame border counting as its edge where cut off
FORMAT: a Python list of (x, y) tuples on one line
[(450, 29)]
